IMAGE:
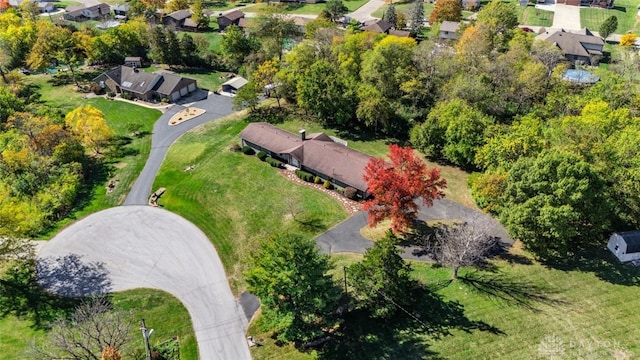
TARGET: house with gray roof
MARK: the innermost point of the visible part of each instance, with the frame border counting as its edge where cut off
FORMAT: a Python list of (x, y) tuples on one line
[(449, 30), (230, 18), (232, 86), (625, 245), (180, 20), (146, 86), (318, 153), (580, 46), (98, 11)]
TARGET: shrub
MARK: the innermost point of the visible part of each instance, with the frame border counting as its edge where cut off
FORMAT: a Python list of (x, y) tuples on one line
[(350, 193), (97, 89), (327, 185), (247, 150), (126, 96), (235, 148), (111, 94), (261, 155), (304, 175), (275, 163), (317, 180)]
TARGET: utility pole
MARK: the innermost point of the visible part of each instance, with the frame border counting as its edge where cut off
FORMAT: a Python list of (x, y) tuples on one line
[(145, 336), (346, 292)]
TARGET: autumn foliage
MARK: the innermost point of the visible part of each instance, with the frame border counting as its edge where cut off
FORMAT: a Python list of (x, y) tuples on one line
[(446, 10), (395, 186), (4, 5)]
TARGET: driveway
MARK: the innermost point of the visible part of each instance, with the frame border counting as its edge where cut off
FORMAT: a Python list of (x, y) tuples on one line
[(346, 238), (132, 247), (566, 17), (363, 13), (164, 135)]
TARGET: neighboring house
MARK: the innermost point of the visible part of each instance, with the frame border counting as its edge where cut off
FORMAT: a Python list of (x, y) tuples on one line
[(316, 153), (598, 3), (232, 86), (580, 46), (231, 18), (383, 27), (179, 20), (301, 23), (120, 11), (625, 245), (133, 61), (99, 11), (470, 5), (46, 7), (448, 30), (146, 86), (378, 26)]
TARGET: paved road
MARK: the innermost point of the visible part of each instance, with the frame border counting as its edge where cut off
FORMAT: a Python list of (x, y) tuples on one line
[(164, 135), (346, 238), (363, 13), (132, 247)]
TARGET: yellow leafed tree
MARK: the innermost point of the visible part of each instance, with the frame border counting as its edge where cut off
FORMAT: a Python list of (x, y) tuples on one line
[(628, 39), (89, 124)]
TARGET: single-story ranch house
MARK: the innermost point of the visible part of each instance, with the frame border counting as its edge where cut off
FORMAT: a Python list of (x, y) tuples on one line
[(316, 153), (625, 245), (576, 46), (146, 86)]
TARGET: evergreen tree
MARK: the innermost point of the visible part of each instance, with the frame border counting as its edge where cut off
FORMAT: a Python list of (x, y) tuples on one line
[(417, 17), (390, 15), (609, 26)]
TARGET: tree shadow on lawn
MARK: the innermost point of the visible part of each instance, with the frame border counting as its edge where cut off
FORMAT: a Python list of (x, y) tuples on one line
[(602, 263), (361, 336), (511, 291), (25, 291)]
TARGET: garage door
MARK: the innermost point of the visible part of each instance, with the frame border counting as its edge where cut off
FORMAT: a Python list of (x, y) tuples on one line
[(175, 96), (184, 91), (192, 87)]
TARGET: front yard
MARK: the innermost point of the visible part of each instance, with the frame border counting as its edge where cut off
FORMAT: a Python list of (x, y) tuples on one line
[(625, 10), (306, 9)]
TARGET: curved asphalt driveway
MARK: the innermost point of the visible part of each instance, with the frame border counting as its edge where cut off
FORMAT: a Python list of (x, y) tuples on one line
[(131, 247), (164, 135)]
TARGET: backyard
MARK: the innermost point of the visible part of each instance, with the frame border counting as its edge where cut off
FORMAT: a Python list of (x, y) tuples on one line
[(545, 312), (625, 10), (306, 9)]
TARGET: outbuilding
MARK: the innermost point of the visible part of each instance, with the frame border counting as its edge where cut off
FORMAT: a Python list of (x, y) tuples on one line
[(232, 86), (625, 245)]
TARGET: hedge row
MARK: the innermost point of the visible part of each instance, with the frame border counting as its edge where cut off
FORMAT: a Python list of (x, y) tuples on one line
[(261, 155), (275, 163), (248, 150), (305, 176)]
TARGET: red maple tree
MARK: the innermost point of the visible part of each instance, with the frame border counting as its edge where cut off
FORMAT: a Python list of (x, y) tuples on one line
[(395, 186), (4, 5)]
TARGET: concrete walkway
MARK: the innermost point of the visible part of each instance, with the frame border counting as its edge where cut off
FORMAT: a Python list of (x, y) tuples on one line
[(132, 247), (346, 238)]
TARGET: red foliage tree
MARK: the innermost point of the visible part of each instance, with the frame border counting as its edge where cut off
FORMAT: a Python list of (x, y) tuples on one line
[(4, 5), (395, 186)]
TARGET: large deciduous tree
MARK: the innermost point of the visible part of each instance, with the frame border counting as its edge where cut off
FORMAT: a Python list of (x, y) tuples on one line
[(89, 124), (465, 244), (93, 327), (236, 46), (334, 9), (446, 10), (396, 186), (382, 280), (322, 91), (293, 283), (555, 203)]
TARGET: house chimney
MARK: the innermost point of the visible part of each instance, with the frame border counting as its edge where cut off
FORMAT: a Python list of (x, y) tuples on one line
[(303, 134)]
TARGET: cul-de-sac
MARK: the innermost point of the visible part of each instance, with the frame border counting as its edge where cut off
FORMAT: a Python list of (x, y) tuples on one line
[(319, 179)]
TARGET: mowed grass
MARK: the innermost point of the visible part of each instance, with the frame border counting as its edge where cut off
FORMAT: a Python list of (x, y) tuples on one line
[(529, 15), (306, 9), (237, 200), (457, 188), (125, 159), (590, 318), (161, 311), (625, 10)]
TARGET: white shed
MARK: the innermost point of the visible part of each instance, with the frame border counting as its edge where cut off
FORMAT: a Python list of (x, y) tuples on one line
[(625, 245)]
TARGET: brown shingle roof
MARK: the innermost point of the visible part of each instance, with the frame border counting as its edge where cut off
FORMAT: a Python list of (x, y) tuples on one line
[(379, 26), (234, 15), (450, 26), (573, 44), (318, 152)]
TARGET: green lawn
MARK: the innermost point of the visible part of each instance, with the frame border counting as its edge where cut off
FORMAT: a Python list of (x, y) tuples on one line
[(590, 314), (235, 199), (161, 311), (529, 15), (405, 7), (307, 9), (222, 5), (624, 10)]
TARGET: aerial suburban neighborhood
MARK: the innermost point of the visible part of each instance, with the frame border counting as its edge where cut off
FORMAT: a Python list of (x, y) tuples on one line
[(319, 179)]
